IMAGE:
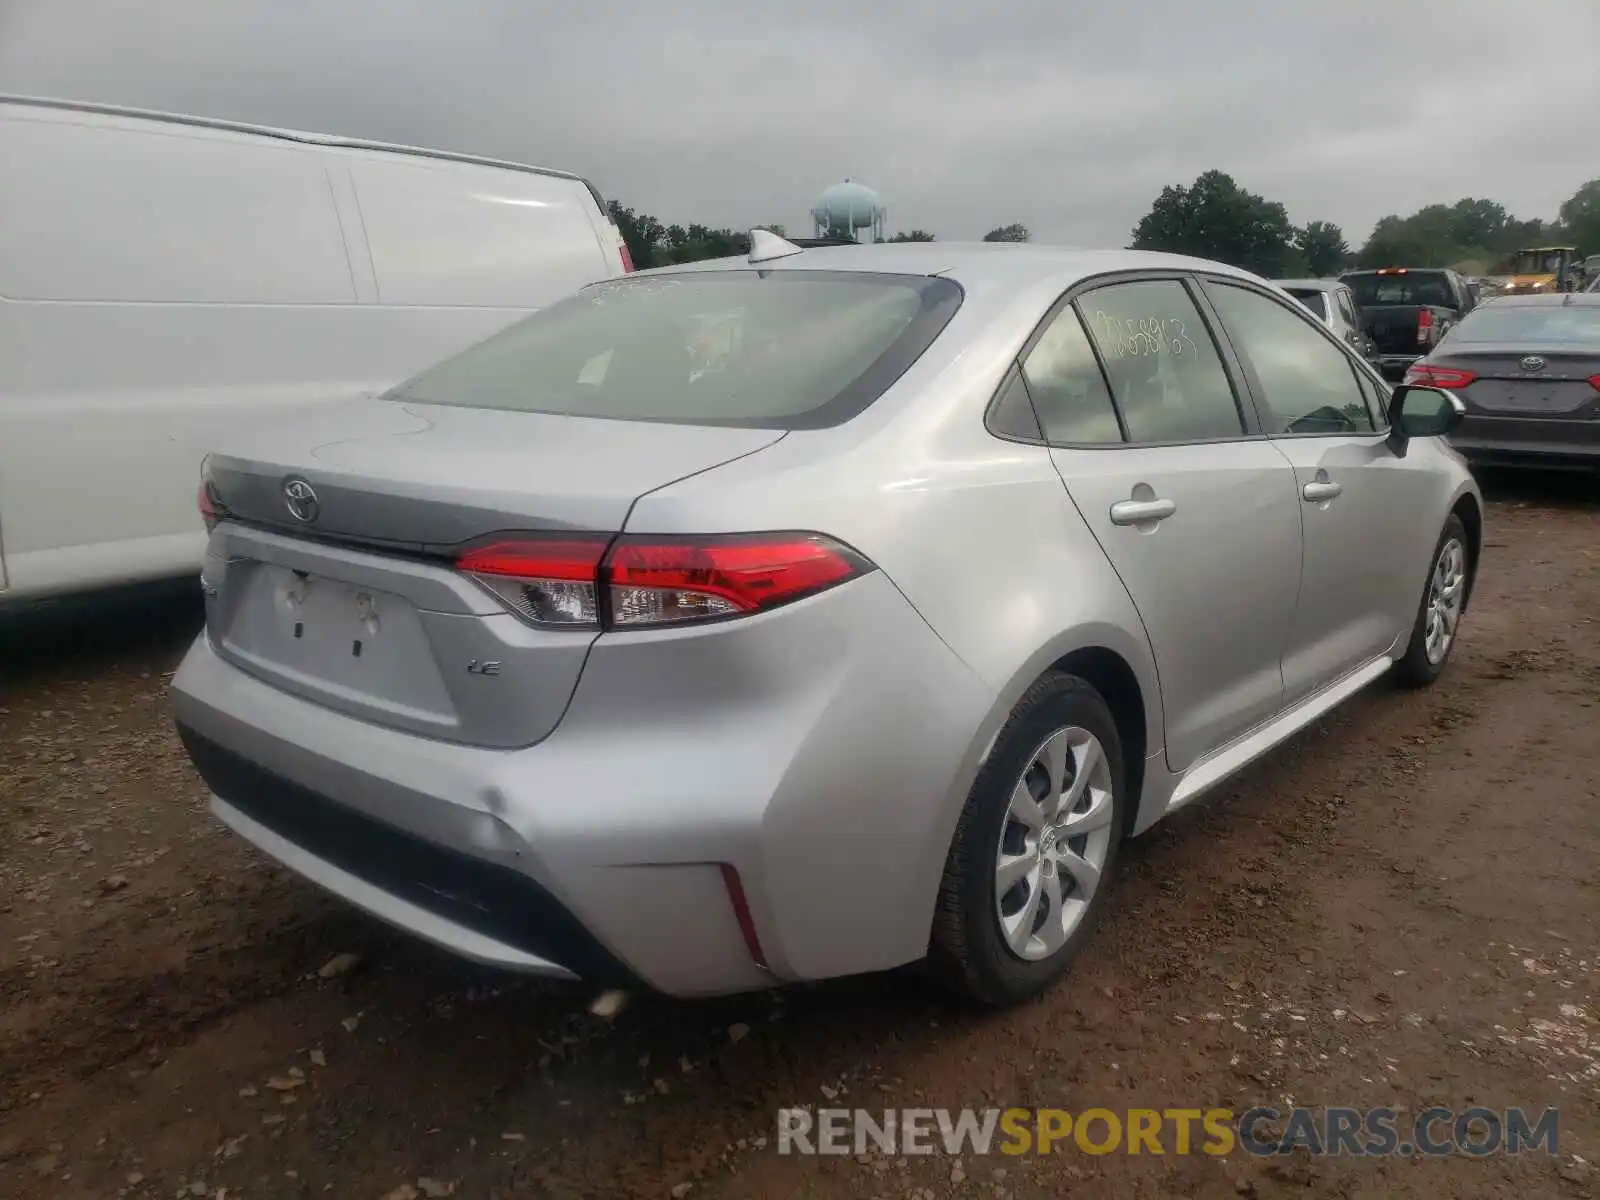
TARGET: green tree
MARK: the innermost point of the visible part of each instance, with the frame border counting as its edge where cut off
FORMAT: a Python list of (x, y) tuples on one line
[(1441, 235), (652, 244), (1216, 218), (1480, 223), (1322, 246), (1016, 232), (1580, 216), (913, 235), (641, 233)]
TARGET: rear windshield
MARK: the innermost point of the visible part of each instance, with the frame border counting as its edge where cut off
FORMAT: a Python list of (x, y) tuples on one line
[(1316, 301), (781, 349), (1414, 287), (1546, 324)]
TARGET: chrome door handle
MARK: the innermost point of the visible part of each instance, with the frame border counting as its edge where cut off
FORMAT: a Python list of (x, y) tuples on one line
[(1141, 512), (1320, 490)]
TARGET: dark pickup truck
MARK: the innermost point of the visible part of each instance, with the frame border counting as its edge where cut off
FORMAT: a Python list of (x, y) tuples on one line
[(1406, 310)]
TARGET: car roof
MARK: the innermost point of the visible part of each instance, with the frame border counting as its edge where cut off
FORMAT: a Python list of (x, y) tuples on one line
[(1310, 285), (1546, 300), (968, 263)]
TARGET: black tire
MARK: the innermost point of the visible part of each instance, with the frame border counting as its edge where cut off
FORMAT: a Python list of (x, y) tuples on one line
[(968, 954), (1414, 670)]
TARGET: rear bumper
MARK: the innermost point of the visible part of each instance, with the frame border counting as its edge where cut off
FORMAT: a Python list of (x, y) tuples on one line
[(828, 773), (1394, 366), (1523, 442)]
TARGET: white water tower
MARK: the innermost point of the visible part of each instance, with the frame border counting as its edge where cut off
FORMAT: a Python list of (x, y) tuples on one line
[(848, 207)]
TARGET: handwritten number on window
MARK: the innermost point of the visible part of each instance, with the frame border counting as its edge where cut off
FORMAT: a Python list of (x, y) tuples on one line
[(1139, 337)]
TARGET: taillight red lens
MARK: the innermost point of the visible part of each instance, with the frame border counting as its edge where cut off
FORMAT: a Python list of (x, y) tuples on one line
[(550, 581), (1424, 326), (1439, 377), (741, 913), (573, 583), (657, 581), (1594, 382), (206, 498), (627, 257)]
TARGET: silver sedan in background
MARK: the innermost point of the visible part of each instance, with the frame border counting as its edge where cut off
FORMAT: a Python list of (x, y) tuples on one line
[(807, 614), (1333, 304)]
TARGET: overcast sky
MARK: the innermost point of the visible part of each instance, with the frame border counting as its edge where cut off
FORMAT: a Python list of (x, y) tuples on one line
[(1069, 117)]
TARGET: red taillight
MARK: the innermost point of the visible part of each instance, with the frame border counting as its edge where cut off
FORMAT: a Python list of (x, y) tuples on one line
[(655, 581), (206, 498), (741, 913), (1424, 326), (1594, 382), (1439, 377), (549, 581), (627, 257), (572, 582)]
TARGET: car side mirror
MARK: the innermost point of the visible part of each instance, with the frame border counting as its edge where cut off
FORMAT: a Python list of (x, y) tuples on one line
[(1416, 411)]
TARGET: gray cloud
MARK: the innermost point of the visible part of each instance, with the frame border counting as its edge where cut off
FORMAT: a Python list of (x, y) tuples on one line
[(737, 111)]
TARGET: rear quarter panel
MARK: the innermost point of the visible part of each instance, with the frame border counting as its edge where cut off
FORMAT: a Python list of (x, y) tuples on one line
[(978, 533)]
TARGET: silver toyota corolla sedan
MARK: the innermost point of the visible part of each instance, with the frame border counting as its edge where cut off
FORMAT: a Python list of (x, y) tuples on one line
[(789, 617)]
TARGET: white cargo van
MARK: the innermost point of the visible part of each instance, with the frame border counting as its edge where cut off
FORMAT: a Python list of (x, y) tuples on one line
[(164, 278)]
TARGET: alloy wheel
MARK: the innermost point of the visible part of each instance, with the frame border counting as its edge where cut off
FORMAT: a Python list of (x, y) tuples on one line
[(1447, 589), (1054, 842)]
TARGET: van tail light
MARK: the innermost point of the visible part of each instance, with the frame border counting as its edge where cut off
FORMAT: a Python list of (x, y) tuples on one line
[(622, 249), (1424, 327), (645, 582), (1439, 377)]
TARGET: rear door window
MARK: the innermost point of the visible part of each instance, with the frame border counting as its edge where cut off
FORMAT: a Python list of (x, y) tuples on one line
[(1165, 372), (1069, 392), (1316, 302), (1347, 308)]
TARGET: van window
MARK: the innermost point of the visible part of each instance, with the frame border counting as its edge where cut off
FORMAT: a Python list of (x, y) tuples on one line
[(133, 213), (456, 235)]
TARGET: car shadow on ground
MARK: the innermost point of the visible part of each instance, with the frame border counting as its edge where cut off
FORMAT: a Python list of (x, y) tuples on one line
[(99, 630), (1550, 489)]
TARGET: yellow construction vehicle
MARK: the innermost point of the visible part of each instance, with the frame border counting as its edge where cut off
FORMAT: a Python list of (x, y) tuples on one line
[(1542, 269)]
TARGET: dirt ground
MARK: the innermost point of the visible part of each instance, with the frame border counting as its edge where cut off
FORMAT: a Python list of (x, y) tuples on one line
[(1401, 907)]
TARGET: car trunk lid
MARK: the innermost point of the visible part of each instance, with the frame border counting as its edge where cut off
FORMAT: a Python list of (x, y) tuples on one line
[(1513, 381), (348, 595)]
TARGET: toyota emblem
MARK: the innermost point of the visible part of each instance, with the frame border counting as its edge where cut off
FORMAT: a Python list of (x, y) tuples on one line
[(301, 500), (1532, 363)]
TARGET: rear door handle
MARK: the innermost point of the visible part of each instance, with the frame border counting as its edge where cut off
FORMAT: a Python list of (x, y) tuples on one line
[(1141, 512), (1320, 490)]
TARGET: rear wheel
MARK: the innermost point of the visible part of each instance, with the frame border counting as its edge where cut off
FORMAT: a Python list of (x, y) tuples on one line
[(1034, 849), (1439, 616)]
